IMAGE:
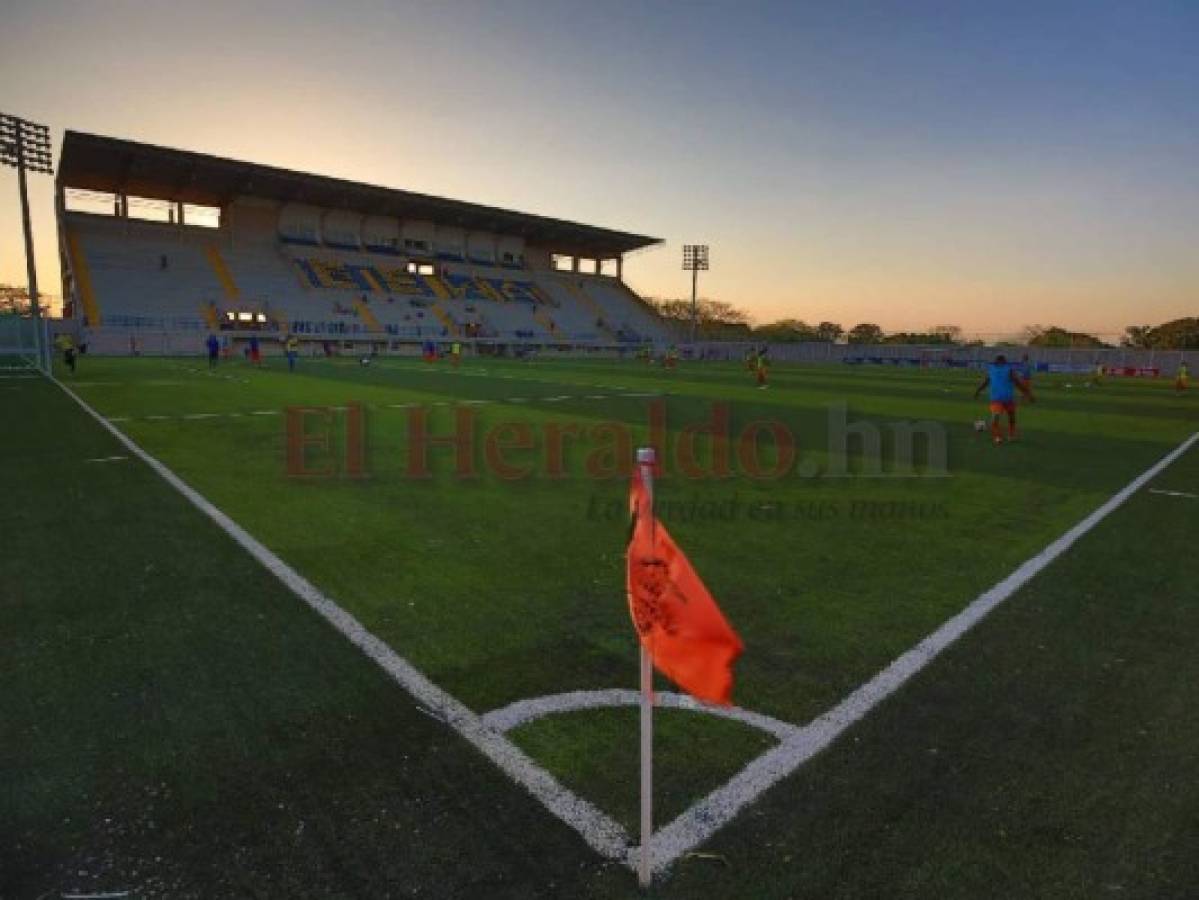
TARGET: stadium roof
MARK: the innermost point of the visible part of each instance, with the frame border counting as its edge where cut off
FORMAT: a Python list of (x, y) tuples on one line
[(97, 163)]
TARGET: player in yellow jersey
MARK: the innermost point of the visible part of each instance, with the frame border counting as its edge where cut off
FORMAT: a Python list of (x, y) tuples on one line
[(66, 344), (291, 346), (1183, 379), (759, 363)]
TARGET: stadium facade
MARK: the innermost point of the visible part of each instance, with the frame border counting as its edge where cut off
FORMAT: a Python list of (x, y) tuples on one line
[(161, 247)]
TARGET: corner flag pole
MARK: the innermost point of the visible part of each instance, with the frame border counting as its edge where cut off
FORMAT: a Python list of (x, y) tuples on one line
[(645, 461)]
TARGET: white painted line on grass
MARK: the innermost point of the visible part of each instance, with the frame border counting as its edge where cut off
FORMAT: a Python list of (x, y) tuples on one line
[(523, 711), (105, 459), (1174, 494), (275, 412), (600, 831), (712, 813), (199, 416)]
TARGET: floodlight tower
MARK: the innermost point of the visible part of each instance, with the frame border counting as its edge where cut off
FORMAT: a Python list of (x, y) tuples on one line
[(26, 146), (695, 260)]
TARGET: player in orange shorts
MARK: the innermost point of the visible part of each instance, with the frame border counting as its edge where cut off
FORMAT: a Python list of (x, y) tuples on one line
[(1003, 381)]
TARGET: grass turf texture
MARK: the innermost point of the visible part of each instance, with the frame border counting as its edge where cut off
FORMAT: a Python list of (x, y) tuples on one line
[(501, 591)]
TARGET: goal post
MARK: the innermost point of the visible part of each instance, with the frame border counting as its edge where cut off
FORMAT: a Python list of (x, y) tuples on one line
[(20, 344)]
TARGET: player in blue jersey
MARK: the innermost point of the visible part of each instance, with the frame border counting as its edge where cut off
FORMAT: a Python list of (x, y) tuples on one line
[(1003, 381)]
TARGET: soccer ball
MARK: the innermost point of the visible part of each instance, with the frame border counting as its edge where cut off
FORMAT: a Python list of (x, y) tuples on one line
[(980, 425), (365, 361)]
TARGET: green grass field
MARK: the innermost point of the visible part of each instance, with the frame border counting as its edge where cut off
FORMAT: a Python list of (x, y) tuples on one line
[(177, 723)]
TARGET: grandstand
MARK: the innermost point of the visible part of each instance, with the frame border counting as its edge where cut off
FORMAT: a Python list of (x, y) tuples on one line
[(162, 246)]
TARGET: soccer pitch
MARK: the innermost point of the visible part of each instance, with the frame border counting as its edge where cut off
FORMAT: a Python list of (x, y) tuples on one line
[(163, 676)]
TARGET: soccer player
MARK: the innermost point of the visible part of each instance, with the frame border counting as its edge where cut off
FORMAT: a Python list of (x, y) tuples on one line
[(214, 350), (67, 344), (1002, 379), (255, 353), (759, 363), (1097, 378), (672, 356), (456, 353), (292, 347), (1183, 379)]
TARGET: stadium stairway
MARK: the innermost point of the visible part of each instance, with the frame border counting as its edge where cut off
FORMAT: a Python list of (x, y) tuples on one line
[(223, 275), (543, 318), (576, 310), (624, 308), (367, 316), (446, 319), (83, 279), (438, 287)]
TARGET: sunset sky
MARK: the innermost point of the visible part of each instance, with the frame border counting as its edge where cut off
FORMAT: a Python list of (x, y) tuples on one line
[(990, 165)]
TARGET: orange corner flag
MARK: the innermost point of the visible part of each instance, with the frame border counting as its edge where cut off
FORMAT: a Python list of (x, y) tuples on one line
[(677, 621)]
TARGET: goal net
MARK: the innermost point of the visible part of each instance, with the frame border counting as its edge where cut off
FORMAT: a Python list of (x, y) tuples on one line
[(18, 345)]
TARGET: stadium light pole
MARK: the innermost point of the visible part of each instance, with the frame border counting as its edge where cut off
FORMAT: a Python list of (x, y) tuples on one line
[(695, 260), (26, 146)]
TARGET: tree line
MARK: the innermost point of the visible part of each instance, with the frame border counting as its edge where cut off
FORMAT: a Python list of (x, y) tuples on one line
[(718, 320)]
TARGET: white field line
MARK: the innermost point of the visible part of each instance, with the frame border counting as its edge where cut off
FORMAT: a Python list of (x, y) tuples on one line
[(105, 459), (601, 832), (522, 711), (1174, 494), (712, 813)]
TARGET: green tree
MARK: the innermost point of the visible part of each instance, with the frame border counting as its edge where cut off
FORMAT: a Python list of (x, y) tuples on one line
[(1179, 334), (829, 332), (947, 334), (1137, 336), (866, 333), (1056, 336), (786, 331), (14, 301), (716, 318)]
